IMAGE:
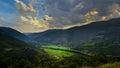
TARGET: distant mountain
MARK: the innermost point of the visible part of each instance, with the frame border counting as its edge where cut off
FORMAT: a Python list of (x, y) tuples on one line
[(98, 37), (13, 33), (75, 36), (39, 34)]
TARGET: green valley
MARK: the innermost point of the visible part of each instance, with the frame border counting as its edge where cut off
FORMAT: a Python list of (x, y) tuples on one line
[(57, 51), (96, 45)]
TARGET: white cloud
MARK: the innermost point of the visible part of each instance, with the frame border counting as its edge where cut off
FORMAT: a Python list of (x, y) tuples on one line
[(114, 11), (48, 18), (39, 23), (24, 7), (28, 17), (64, 13)]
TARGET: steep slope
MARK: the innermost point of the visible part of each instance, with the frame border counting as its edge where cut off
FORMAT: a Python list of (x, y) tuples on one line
[(13, 33), (15, 53)]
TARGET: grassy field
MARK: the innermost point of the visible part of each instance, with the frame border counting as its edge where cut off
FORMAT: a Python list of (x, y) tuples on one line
[(57, 53), (112, 65)]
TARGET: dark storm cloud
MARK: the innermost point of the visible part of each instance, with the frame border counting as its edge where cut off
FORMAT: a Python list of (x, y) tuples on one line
[(67, 5), (69, 12)]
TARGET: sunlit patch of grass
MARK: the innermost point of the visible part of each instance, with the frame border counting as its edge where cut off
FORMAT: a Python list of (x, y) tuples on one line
[(57, 47), (57, 53)]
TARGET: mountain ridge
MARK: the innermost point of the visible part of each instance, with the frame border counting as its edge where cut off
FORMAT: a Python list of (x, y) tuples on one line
[(77, 34), (14, 33)]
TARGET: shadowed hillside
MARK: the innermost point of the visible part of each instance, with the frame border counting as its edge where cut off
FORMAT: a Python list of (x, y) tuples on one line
[(100, 37), (13, 52), (14, 33), (77, 35)]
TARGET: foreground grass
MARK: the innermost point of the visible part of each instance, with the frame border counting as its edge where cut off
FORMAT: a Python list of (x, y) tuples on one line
[(110, 65)]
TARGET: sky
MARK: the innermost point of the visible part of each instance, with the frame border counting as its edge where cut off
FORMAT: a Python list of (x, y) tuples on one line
[(41, 15)]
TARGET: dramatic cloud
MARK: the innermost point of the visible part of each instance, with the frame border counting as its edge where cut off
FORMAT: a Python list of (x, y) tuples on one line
[(48, 18), (63, 14), (67, 13), (28, 17), (24, 8), (114, 10)]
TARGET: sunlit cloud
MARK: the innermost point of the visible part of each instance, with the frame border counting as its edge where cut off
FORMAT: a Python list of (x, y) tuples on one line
[(70, 13), (114, 10), (24, 7), (91, 15), (103, 18), (48, 18), (40, 15), (28, 17)]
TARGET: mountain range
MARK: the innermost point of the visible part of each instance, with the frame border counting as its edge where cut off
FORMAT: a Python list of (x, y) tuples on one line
[(94, 37), (77, 35), (101, 37)]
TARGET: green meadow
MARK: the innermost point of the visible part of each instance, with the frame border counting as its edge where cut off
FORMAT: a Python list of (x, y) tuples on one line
[(57, 51)]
